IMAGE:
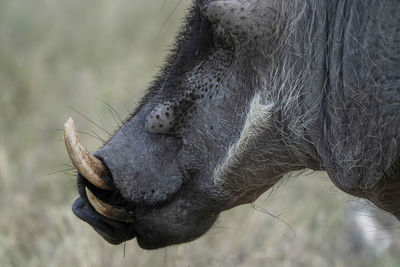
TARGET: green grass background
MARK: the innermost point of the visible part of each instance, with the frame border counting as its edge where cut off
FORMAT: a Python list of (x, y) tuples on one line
[(58, 57)]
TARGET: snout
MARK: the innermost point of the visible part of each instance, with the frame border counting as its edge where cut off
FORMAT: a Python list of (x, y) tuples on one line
[(125, 197), (143, 165)]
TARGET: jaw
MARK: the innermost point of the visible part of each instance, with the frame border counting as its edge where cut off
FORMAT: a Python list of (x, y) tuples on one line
[(178, 222), (112, 231), (183, 218), (152, 228)]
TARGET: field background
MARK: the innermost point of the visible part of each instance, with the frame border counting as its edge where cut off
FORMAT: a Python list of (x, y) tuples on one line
[(60, 58)]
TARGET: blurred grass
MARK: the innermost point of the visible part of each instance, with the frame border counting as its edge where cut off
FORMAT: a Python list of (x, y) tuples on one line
[(58, 56)]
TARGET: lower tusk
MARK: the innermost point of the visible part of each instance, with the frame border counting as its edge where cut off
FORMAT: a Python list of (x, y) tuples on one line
[(89, 166), (107, 210)]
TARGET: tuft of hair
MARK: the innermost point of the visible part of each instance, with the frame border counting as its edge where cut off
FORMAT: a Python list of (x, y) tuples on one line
[(257, 120)]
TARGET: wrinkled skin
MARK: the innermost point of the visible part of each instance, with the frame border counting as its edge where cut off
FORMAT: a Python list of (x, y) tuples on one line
[(254, 90)]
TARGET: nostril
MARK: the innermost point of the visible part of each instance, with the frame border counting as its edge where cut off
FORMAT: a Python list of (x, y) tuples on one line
[(106, 175), (112, 197)]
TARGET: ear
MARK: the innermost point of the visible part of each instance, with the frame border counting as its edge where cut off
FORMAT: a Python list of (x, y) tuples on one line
[(240, 17)]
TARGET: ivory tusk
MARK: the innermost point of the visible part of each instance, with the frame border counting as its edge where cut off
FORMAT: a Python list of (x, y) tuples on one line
[(108, 211), (89, 166)]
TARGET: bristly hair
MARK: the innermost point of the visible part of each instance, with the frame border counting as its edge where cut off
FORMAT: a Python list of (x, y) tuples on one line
[(273, 140), (180, 50)]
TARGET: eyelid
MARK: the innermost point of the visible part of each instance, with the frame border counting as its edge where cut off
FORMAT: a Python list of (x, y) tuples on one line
[(222, 38)]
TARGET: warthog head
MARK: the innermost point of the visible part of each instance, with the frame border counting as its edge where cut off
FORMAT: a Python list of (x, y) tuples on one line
[(242, 100)]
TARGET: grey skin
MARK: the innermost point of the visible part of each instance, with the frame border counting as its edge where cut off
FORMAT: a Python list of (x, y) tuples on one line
[(252, 91)]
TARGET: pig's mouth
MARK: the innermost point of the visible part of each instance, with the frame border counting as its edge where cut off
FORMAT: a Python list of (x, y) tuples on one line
[(112, 231), (113, 221)]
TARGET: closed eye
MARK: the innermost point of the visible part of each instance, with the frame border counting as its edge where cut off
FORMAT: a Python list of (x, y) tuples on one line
[(222, 38)]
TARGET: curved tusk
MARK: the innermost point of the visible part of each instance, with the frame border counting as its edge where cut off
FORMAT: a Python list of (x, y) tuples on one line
[(89, 166), (108, 211)]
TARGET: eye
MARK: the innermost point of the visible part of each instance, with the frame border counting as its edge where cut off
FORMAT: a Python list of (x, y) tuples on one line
[(222, 38)]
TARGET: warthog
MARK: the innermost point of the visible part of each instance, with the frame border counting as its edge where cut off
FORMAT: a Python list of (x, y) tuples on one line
[(253, 90)]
